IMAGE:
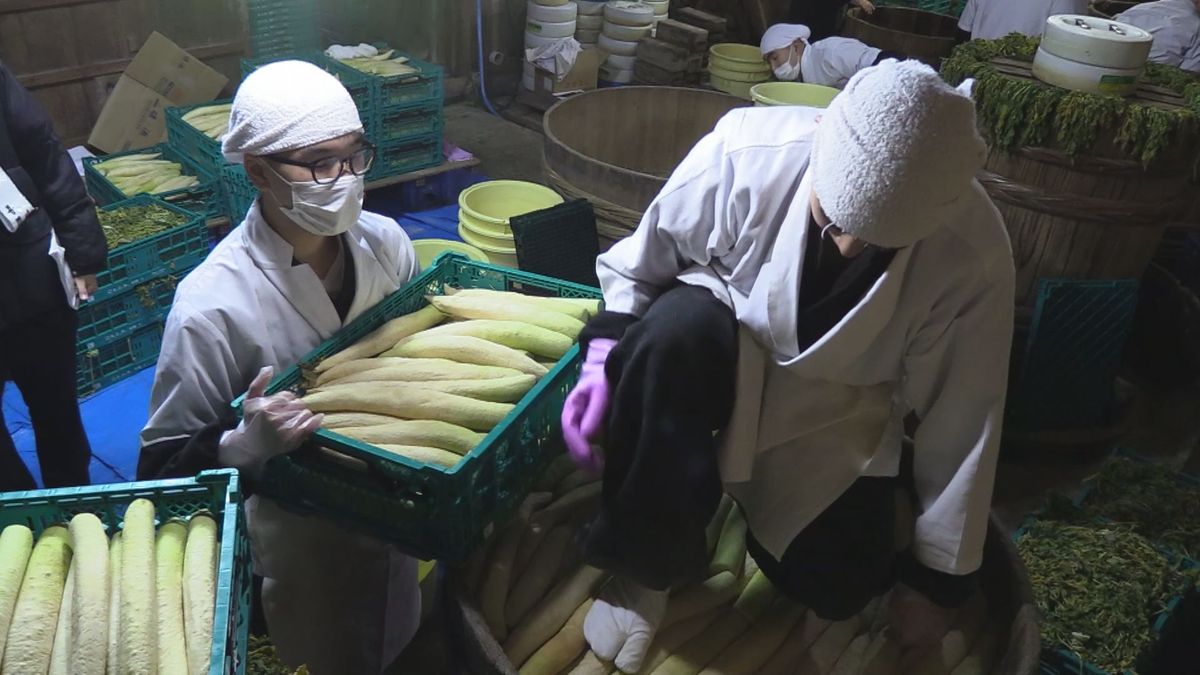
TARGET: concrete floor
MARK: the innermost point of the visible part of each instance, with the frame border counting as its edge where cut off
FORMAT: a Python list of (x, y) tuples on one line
[(507, 150)]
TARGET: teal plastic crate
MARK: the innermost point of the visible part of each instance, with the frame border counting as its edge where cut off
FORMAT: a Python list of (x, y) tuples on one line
[(102, 364), (1057, 660), (430, 511), (239, 192), (102, 321), (204, 198), (423, 119), (402, 91), (166, 253), (400, 157), (190, 142), (217, 492), (281, 26)]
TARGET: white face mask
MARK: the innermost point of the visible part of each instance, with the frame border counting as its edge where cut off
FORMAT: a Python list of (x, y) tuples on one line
[(324, 210), (788, 71)]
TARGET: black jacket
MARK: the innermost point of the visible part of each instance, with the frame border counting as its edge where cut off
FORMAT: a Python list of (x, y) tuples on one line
[(33, 157)]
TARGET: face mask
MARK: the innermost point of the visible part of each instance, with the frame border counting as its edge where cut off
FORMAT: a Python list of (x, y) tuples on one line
[(324, 210), (788, 71)]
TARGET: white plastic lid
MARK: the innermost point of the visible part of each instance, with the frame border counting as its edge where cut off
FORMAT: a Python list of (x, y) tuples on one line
[(1096, 41)]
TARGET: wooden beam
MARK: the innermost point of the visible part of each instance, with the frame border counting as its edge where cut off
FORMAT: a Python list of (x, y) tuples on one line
[(87, 71), (14, 6)]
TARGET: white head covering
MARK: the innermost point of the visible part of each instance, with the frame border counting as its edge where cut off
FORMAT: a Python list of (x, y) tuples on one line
[(895, 152), (782, 35), (287, 105)]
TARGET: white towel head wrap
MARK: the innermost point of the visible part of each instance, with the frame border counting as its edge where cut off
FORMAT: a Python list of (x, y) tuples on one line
[(782, 35), (285, 106), (895, 152)]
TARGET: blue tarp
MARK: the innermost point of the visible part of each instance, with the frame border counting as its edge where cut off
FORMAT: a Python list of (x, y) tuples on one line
[(115, 416)]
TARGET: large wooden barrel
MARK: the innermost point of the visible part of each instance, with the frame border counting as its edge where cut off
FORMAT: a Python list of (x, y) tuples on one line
[(915, 33), (616, 147), (1099, 215), (1002, 578)]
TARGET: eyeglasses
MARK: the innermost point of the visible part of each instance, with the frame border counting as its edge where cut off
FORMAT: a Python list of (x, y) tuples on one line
[(329, 169)]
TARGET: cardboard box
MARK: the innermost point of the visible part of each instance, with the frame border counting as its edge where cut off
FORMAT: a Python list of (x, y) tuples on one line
[(162, 75), (582, 77)]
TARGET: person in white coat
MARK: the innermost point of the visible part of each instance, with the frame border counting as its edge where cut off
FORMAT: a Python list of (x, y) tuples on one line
[(304, 263), (992, 19), (805, 282), (830, 62), (1175, 25)]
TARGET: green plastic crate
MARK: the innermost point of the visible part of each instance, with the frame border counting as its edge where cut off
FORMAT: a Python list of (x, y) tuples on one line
[(102, 321), (102, 364), (401, 124), (240, 193), (217, 492), (191, 142), (204, 198), (402, 91), (170, 252), (432, 512), (400, 157), (281, 26)]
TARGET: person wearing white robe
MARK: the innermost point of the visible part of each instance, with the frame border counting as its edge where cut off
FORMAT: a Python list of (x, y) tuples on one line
[(805, 282), (303, 264), (1175, 25), (992, 19)]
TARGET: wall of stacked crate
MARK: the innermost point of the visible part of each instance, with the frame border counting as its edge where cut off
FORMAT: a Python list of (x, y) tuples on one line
[(402, 117)]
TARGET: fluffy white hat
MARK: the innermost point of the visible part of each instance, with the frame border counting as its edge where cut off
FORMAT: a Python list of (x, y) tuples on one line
[(894, 153), (287, 105), (782, 35)]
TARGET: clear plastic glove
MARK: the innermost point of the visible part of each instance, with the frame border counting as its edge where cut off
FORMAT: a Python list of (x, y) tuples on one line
[(622, 623), (271, 425), (586, 408)]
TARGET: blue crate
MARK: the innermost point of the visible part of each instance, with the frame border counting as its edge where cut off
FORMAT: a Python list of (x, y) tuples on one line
[(217, 492), (1072, 354)]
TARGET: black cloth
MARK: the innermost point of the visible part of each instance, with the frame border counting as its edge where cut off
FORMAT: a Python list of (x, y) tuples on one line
[(38, 355), (823, 17), (884, 55), (32, 156), (673, 379)]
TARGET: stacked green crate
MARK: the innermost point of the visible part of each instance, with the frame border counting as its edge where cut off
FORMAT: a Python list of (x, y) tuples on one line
[(204, 198), (239, 192), (120, 329), (282, 26), (407, 117), (185, 139)]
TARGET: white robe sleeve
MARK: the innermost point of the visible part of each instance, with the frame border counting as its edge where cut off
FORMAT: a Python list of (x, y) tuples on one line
[(956, 376), (193, 383), (967, 20), (689, 224)]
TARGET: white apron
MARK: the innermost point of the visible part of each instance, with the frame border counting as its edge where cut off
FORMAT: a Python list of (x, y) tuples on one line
[(336, 601), (931, 336)]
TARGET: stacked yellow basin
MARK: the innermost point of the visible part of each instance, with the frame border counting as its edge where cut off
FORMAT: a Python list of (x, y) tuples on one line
[(484, 211), (735, 68)]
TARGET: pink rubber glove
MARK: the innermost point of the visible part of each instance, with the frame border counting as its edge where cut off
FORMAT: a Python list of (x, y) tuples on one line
[(586, 407)]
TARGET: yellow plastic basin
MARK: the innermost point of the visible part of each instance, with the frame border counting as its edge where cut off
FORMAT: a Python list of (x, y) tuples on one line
[(793, 93), (738, 58), (504, 256), (490, 205), (738, 76), (739, 89), (429, 249)]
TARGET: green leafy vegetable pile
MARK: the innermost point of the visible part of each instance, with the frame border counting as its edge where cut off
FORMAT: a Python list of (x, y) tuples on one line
[(127, 225), (1151, 499), (1016, 112)]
